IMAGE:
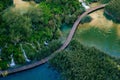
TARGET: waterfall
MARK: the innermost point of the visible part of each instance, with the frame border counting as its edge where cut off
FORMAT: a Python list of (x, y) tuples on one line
[(45, 43), (24, 53), (84, 4), (12, 64)]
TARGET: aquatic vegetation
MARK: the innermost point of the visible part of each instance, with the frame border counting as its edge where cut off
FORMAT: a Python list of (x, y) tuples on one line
[(104, 39)]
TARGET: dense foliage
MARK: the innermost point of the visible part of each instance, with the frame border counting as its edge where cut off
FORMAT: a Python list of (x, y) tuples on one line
[(5, 3), (37, 30), (112, 10), (78, 62), (86, 19)]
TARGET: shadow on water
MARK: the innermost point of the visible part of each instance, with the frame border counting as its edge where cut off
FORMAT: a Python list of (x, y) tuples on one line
[(43, 72)]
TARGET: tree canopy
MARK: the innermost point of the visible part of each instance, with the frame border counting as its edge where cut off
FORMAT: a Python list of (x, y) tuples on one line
[(34, 28), (113, 10), (78, 62)]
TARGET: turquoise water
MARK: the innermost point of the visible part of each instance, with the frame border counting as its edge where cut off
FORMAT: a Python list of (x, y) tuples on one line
[(43, 72), (65, 31), (106, 41)]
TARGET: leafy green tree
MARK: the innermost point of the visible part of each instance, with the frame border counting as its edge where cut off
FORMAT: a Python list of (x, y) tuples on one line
[(5, 3), (19, 26)]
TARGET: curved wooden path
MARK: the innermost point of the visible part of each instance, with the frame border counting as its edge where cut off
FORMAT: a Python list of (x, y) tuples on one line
[(66, 43)]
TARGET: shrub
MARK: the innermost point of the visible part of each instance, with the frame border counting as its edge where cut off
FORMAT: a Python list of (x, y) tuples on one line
[(113, 10), (86, 19)]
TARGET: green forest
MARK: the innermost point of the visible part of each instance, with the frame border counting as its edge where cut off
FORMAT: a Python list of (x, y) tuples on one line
[(32, 31), (32, 35)]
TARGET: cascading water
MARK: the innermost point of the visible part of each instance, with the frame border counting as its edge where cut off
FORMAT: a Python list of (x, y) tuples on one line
[(45, 43), (12, 64), (24, 53), (84, 4)]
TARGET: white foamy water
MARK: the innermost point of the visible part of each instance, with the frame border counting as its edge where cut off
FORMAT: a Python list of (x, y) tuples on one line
[(24, 53), (45, 43), (12, 64), (84, 4)]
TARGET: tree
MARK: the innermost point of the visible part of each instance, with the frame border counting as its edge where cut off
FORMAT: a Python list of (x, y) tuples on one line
[(18, 26), (113, 10)]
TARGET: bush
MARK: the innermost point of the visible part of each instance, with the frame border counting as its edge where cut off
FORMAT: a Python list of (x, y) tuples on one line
[(86, 19), (113, 10), (3, 65), (47, 50)]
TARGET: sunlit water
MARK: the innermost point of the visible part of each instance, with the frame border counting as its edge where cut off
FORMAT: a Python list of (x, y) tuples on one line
[(43, 72)]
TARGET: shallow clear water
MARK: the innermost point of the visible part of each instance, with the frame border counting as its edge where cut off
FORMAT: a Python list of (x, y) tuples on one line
[(43, 72), (106, 41), (65, 31)]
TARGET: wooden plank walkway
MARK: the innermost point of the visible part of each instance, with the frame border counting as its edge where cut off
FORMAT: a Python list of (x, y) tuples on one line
[(66, 43)]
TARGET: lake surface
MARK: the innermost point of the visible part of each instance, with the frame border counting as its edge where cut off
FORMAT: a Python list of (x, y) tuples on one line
[(43, 72)]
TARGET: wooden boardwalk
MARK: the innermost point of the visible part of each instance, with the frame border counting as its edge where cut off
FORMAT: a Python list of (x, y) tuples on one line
[(66, 43)]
